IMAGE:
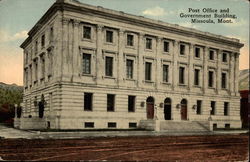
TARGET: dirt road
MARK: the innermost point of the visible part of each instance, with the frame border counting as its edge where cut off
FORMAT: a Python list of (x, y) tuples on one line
[(182, 148)]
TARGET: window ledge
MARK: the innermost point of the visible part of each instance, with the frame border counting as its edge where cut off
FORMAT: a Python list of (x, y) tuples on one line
[(197, 86), (148, 81), (166, 53), (109, 77), (182, 85), (166, 83), (212, 88), (88, 75), (110, 43), (212, 61), (131, 47), (148, 50), (88, 40), (184, 55), (197, 58), (128, 79)]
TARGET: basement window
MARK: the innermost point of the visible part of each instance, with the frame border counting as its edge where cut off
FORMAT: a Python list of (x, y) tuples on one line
[(132, 125), (111, 125), (89, 125)]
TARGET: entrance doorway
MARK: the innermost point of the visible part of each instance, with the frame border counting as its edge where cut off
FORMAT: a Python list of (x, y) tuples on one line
[(183, 109), (167, 109), (150, 107)]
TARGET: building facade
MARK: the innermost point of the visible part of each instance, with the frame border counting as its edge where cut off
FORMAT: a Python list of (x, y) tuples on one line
[(90, 67)]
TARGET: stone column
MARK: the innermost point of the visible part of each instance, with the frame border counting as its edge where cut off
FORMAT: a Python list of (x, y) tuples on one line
[(190, 66), (231, 74), (159, 71), (76, 66), (236, 83), (65, 35), (99, 59), (218, 77), (205, 69), (175, 73), (70, 50), (140, 67), (120, 62)]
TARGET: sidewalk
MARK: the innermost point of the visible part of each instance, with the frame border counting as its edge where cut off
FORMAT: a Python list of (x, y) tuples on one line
[(8, 132)]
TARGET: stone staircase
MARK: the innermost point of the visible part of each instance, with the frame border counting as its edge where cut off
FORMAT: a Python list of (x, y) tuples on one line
[(175, 126)]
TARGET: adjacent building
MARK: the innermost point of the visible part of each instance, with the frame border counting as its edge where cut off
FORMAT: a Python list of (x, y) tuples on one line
[(90, 67)]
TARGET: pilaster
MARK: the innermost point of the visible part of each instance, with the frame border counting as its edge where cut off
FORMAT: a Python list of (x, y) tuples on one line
[(120, 62), (65, 38), (99, 60), (231, 74), (190, 68), (175, 70), (140, 67), (158, 69), (205, 69), (218, 77), (76, 66), (236, 80)]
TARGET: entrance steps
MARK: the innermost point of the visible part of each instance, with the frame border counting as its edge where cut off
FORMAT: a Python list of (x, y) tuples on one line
[(175, 126)]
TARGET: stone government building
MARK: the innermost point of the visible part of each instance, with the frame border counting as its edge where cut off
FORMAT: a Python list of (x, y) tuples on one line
[(89, 67)]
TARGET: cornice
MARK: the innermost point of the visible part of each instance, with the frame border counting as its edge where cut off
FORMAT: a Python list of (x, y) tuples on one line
[(129, 19)]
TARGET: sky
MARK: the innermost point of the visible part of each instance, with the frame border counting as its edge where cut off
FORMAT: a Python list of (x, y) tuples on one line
[(17, 17)]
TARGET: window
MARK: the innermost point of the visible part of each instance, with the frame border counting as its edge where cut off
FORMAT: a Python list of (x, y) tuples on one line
[(129, 64), (36, 47), (51, 34), (50, 69), (182, 49), (181, 75), (109, 36), (224, 57), (31, 75), (109, 66), (110, 102), (26, 77), (88, 100), (226, 108), (43, 41), (130, 40), (148, 43), (211, 55), (196, 77), (43, 67), (166, 46), (87, 32), (148, 71), (131, 103), (111, 125), (89, 125), (36, 71), (223, 80), (86, 63), (197, 52), (210, 79), (132, 125), (212, 112), (198, 109), (165, 73)]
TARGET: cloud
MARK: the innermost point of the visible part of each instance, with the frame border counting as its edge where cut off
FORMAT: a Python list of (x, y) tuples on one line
[(7, 37), (155, 11), (188, 25)]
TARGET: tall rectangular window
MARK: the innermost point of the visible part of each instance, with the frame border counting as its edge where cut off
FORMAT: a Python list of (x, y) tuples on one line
[(211, 55), (198, 109), (182, 49), (110, 102), (148, 43), (130, 40), (197, 52), (213, 107), (36, 47), (210, 79), (51, 35), (181, 75), (224, 57), (223, 80), (43, 67), (148, 71), (226, 108), (88, 101), (196, 77), (131, 103), (165, 73), (87, 32), (86, 63), (109, 36), (26, 77), (129, 64), (43, 41), (166, 46), (109, 66), (36, 71)]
